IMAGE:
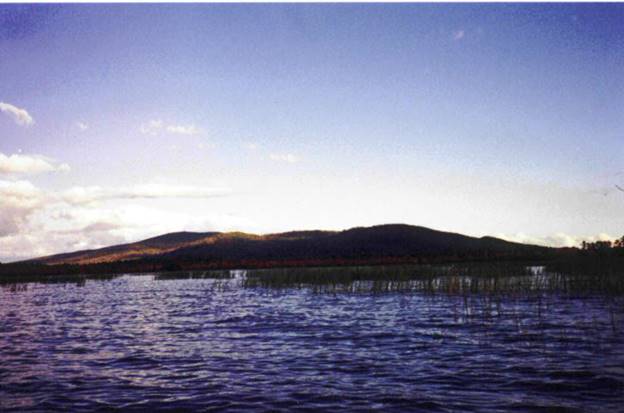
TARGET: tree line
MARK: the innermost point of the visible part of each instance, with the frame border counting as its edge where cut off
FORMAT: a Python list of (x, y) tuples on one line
[(598, 246)]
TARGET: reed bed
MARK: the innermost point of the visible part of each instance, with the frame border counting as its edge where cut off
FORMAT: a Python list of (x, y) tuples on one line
[(78, 279), (457, 279), (187, 275), (462, 279)]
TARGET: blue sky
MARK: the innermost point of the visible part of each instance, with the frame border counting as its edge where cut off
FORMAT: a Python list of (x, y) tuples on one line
[(120, 122)]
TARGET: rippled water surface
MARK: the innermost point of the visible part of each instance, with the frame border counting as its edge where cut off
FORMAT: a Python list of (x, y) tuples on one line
[(136, 343)]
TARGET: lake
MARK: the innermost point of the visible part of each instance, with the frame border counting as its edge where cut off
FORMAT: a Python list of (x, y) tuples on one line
[(145, 342)]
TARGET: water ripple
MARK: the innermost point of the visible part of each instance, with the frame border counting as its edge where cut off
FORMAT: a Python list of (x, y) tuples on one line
[(135, 343)]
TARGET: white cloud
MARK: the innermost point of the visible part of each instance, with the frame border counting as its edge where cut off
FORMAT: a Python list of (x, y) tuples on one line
[(100, 226), (18, 200), (458, 34), (284, 157), (90, 194), (29, 164), (35, 223), (37, 243), (20, 116), (19, 246), (137, 222), (251, 146), (559, 239), (203, 145), (152, 127), (81, 126), (156, 126), (183, 130)]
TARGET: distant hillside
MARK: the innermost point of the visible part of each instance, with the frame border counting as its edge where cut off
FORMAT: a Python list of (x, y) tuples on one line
[(378, 243), (123, 252)]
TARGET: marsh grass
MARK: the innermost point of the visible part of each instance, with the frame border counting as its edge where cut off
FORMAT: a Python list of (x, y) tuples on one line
[(81, 279), (462, 279), (77, 279), (188, 275), (483, 279), (480, 293)]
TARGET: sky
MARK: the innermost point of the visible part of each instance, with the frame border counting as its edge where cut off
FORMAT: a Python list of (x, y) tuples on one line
[(121, 122)]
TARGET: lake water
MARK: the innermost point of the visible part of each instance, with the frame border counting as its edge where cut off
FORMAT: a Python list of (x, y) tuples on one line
[(138, 343)]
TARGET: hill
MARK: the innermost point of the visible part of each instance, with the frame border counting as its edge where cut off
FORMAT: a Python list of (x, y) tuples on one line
[(382, 243)]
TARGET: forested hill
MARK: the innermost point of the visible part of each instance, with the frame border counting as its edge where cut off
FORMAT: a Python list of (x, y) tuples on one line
[(383, 243)]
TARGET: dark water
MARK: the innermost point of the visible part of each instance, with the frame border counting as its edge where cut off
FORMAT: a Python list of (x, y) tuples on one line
[(135, 343)]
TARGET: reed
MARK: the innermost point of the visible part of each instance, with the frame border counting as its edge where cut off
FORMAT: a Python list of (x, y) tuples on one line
[(78, 279), (456, 279)]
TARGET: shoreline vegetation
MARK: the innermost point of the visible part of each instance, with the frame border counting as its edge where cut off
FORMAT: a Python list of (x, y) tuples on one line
[(487, 279)]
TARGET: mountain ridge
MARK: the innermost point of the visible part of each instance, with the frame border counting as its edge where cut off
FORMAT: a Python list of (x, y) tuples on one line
[(379, 241)]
